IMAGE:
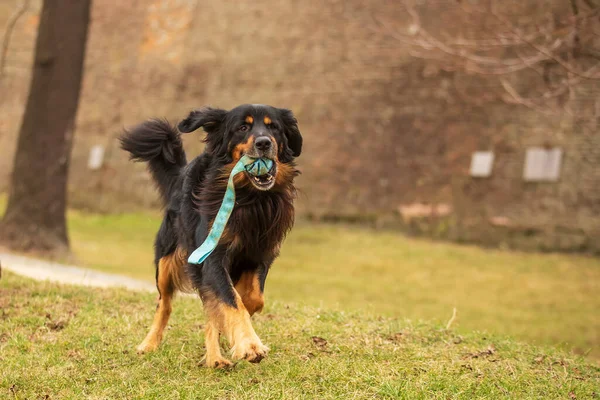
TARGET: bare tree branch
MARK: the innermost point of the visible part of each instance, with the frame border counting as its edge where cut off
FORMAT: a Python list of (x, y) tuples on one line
[(571, 39), (12, 21), (516, 98), (557, 47), (476, 63)]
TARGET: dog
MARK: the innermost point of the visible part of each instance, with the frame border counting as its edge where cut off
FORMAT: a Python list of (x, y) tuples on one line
[(231, 280)]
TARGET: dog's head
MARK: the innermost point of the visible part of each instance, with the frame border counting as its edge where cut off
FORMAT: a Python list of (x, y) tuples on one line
[(255, 130)]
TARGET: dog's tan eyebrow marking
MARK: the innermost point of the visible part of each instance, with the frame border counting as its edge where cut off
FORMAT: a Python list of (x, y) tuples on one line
[(267, 120), (249, 119)]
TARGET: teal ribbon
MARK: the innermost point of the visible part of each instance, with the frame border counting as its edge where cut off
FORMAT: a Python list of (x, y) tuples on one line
[(255, 167)]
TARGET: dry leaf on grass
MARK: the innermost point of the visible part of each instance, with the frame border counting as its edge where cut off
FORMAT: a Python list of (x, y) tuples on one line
[(56, 325), (308, 356), (396, 337), (487, 352), (319, 341)]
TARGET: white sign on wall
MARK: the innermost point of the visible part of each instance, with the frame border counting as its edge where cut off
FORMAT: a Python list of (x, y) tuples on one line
[(96, 157), (542, 165), (481, 164)]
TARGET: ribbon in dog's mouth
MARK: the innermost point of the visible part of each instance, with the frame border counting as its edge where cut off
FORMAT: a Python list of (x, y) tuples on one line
[(261, 172)]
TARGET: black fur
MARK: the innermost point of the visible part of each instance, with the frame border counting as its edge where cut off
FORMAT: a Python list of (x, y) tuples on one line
[(159, 144), (193, 192)]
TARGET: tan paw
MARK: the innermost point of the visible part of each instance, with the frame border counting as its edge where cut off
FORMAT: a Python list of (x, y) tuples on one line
[(147, 346), (218, 363), (250, 350)]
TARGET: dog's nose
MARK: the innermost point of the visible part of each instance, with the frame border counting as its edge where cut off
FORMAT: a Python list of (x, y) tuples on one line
[(263, 143)]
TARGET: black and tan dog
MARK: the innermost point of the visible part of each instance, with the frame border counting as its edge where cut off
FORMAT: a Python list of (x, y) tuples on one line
[(232, 279)]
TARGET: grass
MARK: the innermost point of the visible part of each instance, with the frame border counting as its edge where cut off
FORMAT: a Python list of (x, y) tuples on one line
[(73, 342), (540, 298)]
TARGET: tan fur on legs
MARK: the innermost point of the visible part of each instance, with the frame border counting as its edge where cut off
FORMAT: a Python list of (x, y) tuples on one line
[(169, 278), (235, 324), (248, 288), (161, 317), (174, 266), (214, 358)]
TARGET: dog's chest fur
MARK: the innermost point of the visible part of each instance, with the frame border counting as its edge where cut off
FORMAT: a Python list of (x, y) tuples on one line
[(259, 220)]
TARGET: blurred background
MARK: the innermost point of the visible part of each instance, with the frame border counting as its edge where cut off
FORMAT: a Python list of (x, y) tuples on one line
[(472, 121)]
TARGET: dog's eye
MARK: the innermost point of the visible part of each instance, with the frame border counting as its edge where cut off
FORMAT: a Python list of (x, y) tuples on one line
[(244, 128)]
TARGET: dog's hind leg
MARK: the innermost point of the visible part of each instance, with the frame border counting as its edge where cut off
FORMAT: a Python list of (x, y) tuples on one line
[(165, 283)]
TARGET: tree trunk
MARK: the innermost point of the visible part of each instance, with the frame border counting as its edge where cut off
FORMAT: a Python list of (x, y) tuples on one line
[(35, 217)]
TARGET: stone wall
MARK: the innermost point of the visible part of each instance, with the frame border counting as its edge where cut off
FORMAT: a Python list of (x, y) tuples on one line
[(382, 130)]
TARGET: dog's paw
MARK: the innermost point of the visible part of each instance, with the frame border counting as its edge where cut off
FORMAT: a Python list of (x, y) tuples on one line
[(147, 347), (251, 350), (218, 363)]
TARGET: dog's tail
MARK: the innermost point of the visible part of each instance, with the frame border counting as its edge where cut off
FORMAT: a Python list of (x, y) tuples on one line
[(159, 144)]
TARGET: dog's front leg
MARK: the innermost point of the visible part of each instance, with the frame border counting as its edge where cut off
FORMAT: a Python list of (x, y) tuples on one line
[(226, 311)]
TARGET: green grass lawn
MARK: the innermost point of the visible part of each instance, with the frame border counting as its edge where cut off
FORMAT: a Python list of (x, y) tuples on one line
[(540, 298), (67, 342)]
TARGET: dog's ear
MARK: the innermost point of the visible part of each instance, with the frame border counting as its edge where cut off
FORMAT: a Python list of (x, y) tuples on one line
[(207, 117), (212, 120), (291, 131)]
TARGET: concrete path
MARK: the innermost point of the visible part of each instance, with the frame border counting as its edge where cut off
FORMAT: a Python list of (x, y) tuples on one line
[(44, 270)]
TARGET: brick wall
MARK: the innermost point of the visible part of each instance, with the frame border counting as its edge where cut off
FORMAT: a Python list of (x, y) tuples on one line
[(382, 129)]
